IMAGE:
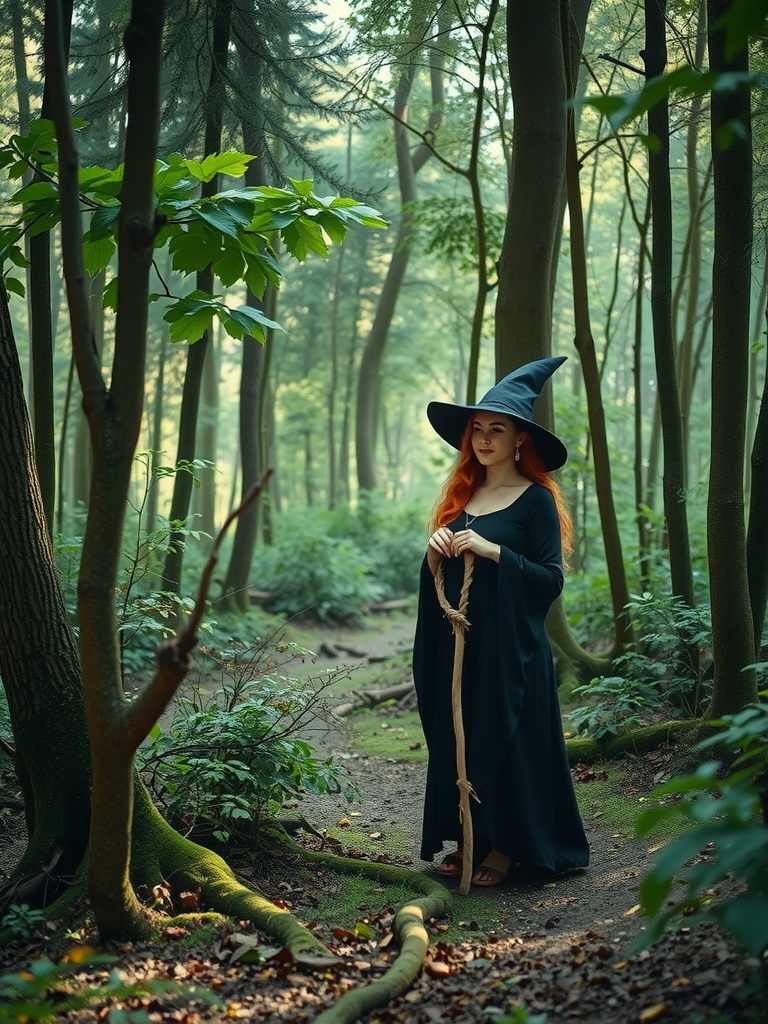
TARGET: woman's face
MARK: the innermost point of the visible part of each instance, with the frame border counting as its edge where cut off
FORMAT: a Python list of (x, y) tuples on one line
[(494, 438)]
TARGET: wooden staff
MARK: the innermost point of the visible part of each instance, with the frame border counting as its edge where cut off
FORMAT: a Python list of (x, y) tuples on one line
[(460, 624)]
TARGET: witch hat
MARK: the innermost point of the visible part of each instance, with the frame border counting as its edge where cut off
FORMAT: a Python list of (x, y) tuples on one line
[(513, 396)]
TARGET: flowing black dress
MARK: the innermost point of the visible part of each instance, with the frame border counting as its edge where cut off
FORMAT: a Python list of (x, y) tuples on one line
[(516, 757)]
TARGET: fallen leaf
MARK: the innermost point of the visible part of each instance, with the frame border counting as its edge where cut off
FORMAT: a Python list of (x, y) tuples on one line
[(438, 969), (654, 1012), (77, 954), (632, 910)]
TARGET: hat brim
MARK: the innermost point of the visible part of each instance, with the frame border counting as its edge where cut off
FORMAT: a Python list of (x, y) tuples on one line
[(450, 421)]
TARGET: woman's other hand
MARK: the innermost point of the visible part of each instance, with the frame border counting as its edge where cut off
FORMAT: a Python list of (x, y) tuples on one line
[(468, 540)]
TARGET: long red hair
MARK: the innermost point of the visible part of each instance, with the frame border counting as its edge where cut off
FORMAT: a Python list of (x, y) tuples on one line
[(467, 475)]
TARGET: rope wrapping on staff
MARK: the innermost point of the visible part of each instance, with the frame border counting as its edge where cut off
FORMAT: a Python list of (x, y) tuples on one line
[(460, 624)]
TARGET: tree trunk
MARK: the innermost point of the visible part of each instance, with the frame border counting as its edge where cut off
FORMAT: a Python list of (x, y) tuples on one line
[(585, 345), (543, 52), (38, 654), (408, 166), (190, 401), (655, 58), (733, 639), (205, 496)]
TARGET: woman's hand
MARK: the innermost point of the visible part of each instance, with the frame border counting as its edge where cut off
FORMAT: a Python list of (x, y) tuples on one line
[(439, 546), (468, 540)]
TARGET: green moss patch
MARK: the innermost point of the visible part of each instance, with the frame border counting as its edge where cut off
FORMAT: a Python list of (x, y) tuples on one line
[(381, 735)]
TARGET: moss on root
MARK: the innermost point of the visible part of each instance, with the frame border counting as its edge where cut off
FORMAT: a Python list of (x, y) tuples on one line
[(584, 750)]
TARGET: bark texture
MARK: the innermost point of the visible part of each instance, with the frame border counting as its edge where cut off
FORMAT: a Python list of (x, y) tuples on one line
[(733, 643), (38, 655)]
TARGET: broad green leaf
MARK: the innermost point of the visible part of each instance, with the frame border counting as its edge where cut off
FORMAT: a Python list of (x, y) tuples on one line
[(303, 187), (103, 222), (45, 222), (14, 286), (333, 226), (217, 218), (109, 298), (653, 891), (234, 165), (249, 318), (746, 918), (97, 254), (45, 190), (303, 236), (229, 265), (194, 250), (191, 326)]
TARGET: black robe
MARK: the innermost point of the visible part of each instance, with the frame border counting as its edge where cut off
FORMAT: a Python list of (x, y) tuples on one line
[(516, 757)]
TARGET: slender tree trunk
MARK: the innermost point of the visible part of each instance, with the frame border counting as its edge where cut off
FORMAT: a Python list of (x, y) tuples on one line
[(205, 497), (190, 400), (692, 260), (114, 417), (585, 345), (655, 57), (41, 329), (757, 530), (156, 445), (643, 540), (408, 166), (733, 637)]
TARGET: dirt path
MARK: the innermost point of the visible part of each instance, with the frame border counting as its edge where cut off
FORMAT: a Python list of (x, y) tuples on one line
[(557, 945)]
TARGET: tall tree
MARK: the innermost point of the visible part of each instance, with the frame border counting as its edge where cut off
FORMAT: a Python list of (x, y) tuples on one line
[(196, 355), (409, 163), (733, 634), (674, 477)]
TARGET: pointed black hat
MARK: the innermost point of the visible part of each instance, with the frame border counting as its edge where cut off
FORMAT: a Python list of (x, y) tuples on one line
[(514, 396)]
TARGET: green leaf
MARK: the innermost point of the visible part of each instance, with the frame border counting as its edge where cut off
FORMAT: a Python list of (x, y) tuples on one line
[(109, 298), (232, 164), (653, 891), (303, 187), (194, 249), (97, 254), (746, 918), (218, 218), (190, 318), (229, 265), (14, 287), (303, 236), (103, 222), (38, 190), (247, 320)]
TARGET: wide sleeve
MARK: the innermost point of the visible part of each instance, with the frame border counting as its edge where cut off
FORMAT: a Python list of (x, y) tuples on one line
[(536, 574), (529, 580)]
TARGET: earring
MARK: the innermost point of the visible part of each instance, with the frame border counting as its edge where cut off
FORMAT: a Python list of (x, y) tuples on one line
[(517, 454)]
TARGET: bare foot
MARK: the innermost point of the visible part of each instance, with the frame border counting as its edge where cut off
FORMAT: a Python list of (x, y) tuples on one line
[(493, 870), (452, 863)]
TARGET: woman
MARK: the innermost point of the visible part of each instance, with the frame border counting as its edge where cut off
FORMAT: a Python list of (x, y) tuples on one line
[(500, 503)]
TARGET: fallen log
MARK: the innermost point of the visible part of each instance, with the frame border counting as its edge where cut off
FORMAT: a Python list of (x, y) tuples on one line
[(370, 698)]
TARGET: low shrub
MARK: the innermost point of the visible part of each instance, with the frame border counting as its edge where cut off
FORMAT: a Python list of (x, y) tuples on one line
[(231, 759)]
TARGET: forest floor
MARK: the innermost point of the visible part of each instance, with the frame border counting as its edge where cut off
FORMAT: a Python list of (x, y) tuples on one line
[(556, 946)]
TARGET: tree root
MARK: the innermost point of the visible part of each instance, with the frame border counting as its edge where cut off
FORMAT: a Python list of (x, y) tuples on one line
[(408, 928), (582, 749), (163, 853)]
